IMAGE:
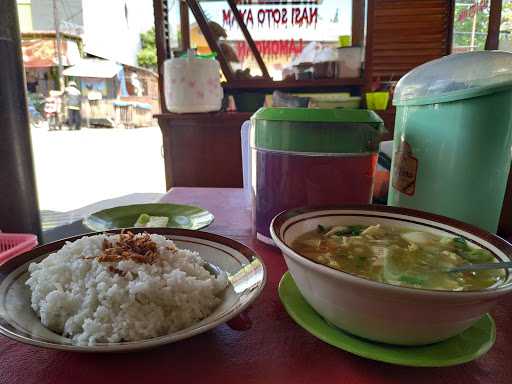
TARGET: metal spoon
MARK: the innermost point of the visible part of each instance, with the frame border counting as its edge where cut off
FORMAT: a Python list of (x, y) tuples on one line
[(213, 269), (482, 267)]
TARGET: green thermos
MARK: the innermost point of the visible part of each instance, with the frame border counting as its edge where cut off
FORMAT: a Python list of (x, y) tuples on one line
[(453, 137)]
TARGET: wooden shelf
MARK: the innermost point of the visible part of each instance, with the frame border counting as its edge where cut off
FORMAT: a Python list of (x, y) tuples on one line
[(206, 116), (203, 149), (268, 86)]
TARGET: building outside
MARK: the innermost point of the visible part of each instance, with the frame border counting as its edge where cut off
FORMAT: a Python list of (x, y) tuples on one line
[(101, 24), (25, 15), (112, 28), (94, 34), (70, 14), (39, 51)]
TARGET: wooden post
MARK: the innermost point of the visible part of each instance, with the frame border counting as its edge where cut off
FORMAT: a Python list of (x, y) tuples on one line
[(185, 26), (449, 32), (358, 12), (368, 61), (248, 37), (162, 45), (56, 23), (493, 32), (19, 210), (505, 225)]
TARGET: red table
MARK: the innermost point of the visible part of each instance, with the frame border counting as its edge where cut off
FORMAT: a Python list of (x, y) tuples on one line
[(274, 349)]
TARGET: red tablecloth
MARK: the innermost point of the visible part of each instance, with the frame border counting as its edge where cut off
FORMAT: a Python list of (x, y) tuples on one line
[(274, 349)]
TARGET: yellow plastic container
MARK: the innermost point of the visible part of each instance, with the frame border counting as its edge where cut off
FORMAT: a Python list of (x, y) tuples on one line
[(377, 100), (332, 100), (345, 40), (370, 101), (381, 100)]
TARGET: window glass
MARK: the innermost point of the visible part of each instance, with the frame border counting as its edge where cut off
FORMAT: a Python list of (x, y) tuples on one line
[(174, 24), (470, 25), (506, 26), (286, 33)]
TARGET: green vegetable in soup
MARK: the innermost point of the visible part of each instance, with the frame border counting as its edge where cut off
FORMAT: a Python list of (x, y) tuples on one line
[(460, 242), (337, 231), (355, 230), (477, 256), (472, 255), (399, 256), (411, 280)]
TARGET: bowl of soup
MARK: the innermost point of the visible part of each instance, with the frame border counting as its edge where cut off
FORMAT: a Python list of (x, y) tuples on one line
[(385, 273)]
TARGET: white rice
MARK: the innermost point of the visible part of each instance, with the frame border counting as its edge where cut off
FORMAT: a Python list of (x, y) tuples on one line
[(82, 299)]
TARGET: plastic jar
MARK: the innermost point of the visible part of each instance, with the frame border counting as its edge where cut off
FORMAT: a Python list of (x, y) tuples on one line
[(304, 157)]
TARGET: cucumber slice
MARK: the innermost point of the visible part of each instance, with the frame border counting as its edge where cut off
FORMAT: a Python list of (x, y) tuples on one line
[(147, 221), (142, 220), (158, 221)]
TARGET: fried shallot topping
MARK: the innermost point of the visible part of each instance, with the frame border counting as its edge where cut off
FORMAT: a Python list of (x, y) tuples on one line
[(138, 248)]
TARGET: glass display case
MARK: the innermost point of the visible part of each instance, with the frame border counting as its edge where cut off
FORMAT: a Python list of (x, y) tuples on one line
[(269, 44)]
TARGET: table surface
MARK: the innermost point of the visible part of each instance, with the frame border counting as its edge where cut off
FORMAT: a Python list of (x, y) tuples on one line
[(273, 349)]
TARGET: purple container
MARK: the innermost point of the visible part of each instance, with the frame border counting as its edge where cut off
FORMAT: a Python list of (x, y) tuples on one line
[(285, 181)]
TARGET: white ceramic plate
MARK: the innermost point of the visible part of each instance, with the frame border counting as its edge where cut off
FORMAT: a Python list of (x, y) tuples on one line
[(246, 271)]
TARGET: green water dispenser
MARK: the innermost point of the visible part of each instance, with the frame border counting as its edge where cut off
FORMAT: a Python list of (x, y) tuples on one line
[(453, 137)]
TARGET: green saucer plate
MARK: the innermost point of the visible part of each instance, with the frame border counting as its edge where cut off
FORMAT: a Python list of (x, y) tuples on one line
[(180, 216), (469, 345)]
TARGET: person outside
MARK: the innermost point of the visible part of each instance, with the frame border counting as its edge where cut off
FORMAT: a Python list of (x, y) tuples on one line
[(52, 107), (74, 104)]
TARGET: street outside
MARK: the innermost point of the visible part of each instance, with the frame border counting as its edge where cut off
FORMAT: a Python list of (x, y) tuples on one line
[(78, 168)]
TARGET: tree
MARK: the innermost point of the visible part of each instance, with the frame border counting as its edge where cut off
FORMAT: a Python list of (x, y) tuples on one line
[(146, 57)]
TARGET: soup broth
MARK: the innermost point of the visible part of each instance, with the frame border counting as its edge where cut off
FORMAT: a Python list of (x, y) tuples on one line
[(399, 256)]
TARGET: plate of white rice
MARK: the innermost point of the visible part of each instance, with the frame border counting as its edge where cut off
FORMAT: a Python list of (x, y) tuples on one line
[(123, 291)]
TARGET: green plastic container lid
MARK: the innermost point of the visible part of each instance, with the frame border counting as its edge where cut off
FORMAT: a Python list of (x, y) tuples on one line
[(193, 54), (456, 77), (322, 131)]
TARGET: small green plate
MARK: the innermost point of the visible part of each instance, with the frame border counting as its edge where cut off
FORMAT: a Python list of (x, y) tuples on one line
[(469, 345), (180, 216)]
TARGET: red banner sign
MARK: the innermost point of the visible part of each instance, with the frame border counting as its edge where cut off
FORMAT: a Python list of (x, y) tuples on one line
[(41, 53), (271, 48)]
